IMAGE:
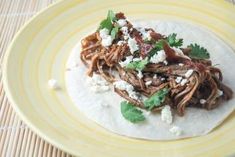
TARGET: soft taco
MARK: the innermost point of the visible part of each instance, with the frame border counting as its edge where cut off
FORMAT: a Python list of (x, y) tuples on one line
[(156, 80)]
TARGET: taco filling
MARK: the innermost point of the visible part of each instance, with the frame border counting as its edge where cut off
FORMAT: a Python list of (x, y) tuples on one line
[(151, 79), (153, 69)]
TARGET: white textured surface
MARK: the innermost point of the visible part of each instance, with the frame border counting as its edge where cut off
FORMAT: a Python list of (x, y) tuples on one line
[(192, 124)]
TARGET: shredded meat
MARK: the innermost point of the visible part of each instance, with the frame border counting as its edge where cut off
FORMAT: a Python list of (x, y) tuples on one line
[(203, 83)]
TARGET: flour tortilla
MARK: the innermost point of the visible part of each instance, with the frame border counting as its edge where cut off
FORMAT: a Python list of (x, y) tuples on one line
[(195, 122)]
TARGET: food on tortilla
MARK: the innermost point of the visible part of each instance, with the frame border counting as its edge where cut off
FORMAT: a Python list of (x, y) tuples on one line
[(144, 81), (154, 70)]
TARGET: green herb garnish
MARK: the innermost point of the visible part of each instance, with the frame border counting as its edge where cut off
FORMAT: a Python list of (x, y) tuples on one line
[(173, 41), (156, 99), (111, 15), (159, 44), (138, 65), (131, 113), (107, 23), (114, 32), (198, 52)]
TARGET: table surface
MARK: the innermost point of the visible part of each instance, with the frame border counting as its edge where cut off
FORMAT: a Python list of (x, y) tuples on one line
[(16, 139)]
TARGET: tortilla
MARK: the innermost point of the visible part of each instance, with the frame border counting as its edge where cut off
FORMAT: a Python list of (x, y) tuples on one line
[(104, 108)]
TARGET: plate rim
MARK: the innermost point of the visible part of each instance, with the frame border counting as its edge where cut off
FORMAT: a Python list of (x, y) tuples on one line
[(7, 90)]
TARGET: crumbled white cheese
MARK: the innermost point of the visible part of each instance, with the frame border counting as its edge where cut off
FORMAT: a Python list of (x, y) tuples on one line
[(133, 95), (53, 84), (137, 59), (97, 80), (124, 30), (181, 64), (183, 82), (98, 84), (188, 73), (107, 41), (219, 93), (178, 79), (154, 76), (104, 32), (140, 74), (166, 115), (148, 35), (106, 38), (126, 37), (126, 61), (123, 85), (176, 130), (179, 52), (159, 57), (165, 62), (202, 101), (99, 88), (145, 34), (119, 43), (148, 83), (121, 22), (133, 46)]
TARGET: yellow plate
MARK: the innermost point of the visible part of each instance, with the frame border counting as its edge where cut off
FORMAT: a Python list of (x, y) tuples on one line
[(40, 50)]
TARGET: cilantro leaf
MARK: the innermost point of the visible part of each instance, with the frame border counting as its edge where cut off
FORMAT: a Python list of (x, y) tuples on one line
[(159, 44), (107, 23), (137, 65), (131, 113), (198, 52), (114, 32), (156, 99), (173, 41), (111, 15)]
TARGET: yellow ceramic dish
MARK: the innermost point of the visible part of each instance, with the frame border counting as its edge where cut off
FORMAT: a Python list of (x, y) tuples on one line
[(40, 50)]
